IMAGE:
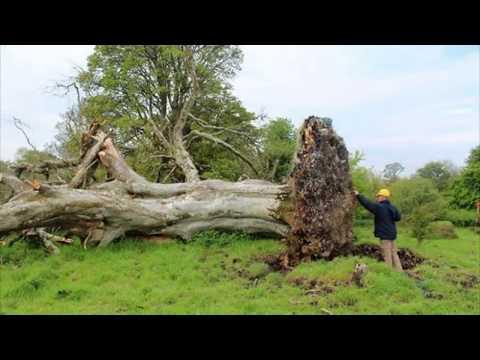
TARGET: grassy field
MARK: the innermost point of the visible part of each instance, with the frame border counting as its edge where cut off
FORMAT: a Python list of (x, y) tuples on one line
[(224, 275)]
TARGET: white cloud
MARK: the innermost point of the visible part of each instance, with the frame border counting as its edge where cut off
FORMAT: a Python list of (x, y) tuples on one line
[(398, 103), (470, 137), (380, 97), (295, 80)]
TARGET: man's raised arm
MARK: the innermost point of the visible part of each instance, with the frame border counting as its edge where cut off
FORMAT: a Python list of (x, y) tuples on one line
[(367, 204)]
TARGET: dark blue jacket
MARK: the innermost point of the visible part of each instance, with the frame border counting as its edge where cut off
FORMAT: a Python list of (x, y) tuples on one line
[(385, 217)]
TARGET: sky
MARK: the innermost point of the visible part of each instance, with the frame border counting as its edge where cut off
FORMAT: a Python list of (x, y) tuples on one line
[(406, 104)]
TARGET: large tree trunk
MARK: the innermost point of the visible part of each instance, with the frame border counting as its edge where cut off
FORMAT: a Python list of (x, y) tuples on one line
[(314, 210)]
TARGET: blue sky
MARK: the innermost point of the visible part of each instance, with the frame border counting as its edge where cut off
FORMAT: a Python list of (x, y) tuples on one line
[(410, 104)]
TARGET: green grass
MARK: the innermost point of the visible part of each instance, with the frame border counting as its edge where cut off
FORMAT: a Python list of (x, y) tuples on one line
[(223, 275)]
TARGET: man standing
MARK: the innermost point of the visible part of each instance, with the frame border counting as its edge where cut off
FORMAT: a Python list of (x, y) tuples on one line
[(386, 215)]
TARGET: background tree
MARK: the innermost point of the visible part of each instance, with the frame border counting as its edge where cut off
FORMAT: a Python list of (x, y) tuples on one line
[(68, 139), (165, 99), (474, 157), (440, 172), (465, 190), (278, 147), (392, 171)]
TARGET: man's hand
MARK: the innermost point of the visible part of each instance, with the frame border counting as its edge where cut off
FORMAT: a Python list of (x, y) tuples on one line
[(355, 192)]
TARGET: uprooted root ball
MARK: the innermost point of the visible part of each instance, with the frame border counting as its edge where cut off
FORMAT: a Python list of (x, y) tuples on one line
[(324, 201)]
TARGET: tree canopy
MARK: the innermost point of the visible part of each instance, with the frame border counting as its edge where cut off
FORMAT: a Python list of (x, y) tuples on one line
[(465, 190), (392, 171), (440, 172), (164, 100), (278, 146)]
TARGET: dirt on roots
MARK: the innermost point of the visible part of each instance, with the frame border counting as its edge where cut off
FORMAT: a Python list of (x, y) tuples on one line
[(408, 258)]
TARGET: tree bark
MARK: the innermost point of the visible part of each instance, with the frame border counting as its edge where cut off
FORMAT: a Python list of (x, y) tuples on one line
[(307, 214)]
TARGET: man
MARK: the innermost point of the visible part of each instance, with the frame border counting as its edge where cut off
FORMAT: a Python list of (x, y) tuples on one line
[(385, 217)]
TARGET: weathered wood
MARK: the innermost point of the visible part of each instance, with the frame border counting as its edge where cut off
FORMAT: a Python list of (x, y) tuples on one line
[(87, 161), (252, 209), (16, 185)]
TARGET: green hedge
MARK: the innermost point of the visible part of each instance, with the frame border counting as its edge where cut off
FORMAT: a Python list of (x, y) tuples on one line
[(461, 217), (441, 230)]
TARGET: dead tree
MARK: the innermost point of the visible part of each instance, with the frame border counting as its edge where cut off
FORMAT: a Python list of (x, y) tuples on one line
[(313, 210)]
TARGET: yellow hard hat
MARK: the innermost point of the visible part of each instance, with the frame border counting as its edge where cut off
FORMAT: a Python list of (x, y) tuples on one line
[(384, 192)]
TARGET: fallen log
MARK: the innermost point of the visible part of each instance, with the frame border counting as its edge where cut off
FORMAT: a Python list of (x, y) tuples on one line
[(314, 209)]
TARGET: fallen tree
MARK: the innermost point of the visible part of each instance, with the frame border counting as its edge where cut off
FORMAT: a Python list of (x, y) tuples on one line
[(313, 211), (130, 204)]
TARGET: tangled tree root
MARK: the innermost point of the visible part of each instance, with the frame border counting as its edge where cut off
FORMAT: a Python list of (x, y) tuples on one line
[(323, 198)]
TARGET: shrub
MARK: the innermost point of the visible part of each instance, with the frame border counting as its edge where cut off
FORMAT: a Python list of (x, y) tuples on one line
[(441, 230), (418, 196), (419, 220), (461, 217), (420, 203)]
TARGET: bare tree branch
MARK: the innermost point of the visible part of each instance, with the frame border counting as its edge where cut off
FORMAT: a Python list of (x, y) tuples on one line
[(159, 133), (205, 125), (169, 174), (19, 124), (227, 146)]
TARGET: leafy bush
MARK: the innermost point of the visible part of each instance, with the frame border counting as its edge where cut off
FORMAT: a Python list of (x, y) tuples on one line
[(420, 203), (441, 230), (419, 220), (216, 238), (461, 217), (416, 197), (278, 142), (465, 190)]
